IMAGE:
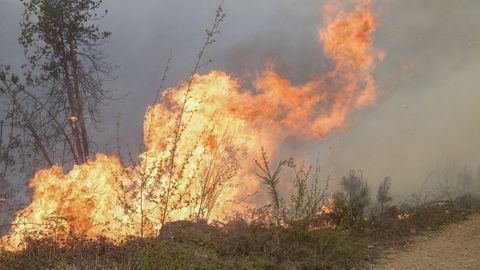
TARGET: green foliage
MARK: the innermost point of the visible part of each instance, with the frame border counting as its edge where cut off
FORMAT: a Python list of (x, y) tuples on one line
[(306, 199), (49, 26), (271, 179), (153, 253), (236, 245)]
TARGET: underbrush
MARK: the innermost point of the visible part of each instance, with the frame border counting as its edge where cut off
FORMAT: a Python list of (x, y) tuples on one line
[(201, 246), (238, 245), (309, 230), (386, 232)]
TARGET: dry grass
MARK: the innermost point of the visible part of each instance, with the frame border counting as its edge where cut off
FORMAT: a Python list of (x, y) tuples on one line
[(287, 234)]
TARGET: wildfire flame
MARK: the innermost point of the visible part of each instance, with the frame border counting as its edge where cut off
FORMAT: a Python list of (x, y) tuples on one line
[(329, 206), (221, 126), (403, 216)]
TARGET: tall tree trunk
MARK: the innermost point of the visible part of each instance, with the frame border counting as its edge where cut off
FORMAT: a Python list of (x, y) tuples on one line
[(78, 99), (79, 104), (73, 119)]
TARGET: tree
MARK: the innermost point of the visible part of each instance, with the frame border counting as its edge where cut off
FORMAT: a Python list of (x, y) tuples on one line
[(67, 66), (351, 202), (383, 194)]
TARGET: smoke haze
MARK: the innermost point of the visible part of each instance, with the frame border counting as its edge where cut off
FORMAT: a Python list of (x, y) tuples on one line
[(428, 111)]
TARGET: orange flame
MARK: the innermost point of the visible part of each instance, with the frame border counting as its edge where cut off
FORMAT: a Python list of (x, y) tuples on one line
[(221, 127), (403, 216), (328, 207)]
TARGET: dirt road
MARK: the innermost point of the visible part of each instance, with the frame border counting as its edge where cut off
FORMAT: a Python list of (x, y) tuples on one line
[(455, 247)]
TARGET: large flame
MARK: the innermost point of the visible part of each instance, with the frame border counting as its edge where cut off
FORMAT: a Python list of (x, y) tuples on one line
[(199, 141)]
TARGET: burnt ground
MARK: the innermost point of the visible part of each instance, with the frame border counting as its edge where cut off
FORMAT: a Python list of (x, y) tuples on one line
[(457, 246)]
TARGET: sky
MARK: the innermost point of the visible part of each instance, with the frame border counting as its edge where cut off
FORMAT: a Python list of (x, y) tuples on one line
[(427, 115)]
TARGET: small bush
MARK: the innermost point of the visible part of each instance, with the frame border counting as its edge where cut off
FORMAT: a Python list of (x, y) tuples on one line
[(383, 195), (351, 202)]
